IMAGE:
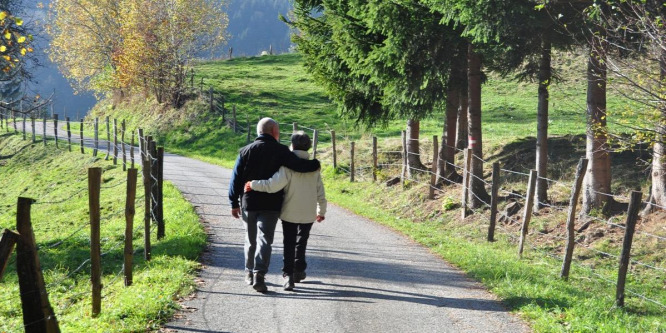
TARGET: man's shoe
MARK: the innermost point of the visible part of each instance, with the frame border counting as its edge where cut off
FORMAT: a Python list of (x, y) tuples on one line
[(248, 278), (299, 276), (288, 282), (259, 283)]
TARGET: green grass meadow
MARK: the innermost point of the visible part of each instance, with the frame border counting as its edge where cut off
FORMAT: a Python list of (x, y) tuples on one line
[(57, 180)]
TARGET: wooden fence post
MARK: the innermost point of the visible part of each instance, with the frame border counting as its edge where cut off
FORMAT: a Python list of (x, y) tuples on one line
[(132, 151), (625, 256), (335, 152), (44, 130), (147, 183), (69, 135), (154, 170), (403, 174), (96, 129), (122, 142), (571, 218), (2, 120), (294, 127), (212, 105), (7, 242), (108, 139), (142, 145), (38, 314), (32, 122), (94, 186), (55, 128), (160, 196), (352, 166), (374, 159), (493, 201), (115, 141), (527, 214), (15, 129), (433, 168), (24, 127), (129, 224), (466, 181), (315, 139), (81, 137)]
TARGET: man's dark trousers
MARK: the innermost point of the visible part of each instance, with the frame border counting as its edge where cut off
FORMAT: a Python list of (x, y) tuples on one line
[(259, 231)]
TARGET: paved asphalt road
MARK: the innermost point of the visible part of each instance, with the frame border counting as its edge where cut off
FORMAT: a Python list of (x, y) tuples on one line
[(362, 277)]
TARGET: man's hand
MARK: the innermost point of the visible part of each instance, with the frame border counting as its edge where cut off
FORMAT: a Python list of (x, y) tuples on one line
[(235, 212), (320, 218), (248, 186)]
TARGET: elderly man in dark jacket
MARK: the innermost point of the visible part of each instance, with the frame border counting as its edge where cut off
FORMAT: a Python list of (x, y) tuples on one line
[(260, 210)]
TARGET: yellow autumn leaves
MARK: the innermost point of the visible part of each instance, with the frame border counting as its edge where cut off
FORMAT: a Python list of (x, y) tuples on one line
[(13, 43), (132, 45)]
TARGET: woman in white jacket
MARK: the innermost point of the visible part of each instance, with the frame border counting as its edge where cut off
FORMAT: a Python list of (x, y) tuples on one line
[(304, 203)]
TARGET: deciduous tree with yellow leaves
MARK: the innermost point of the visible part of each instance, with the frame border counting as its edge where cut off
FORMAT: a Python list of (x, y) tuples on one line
[(131, 46)]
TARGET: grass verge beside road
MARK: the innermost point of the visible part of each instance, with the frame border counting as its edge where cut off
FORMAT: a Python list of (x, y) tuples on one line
[(58, 181)]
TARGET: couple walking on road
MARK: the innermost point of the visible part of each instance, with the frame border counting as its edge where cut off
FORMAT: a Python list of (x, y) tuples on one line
[(274, 182)]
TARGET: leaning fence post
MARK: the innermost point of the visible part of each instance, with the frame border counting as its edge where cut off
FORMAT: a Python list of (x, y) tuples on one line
[(7, 243), (122, 142), (115, 141), (571, 217), (352, 166), (632, 217), (129, 225), (493, 201), (315, 139), (335, 152), (527, 214), (466, 181), (433, 168), (94, 185), (38, 314), (55, 128), (374, 158), (160, 196)]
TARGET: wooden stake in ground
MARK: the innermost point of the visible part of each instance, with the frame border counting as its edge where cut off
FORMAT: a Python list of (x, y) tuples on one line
[(24, 127), (81, 137), (527, 214), (44, 131), (38, 314), (403, 174), (94, 185), (55, 128), (433, 168), (32, 121), (493, 202), (122, 142), (160, 194), (315, 139), (108, 139), (7, 242), (115, 141), (132, 151), (96, 129), (294, 128), (69, 135), (147, 183), (571, 218), (129, 225), (466, 181), (352, 167), (374, 159), (625, 256), (335, 152)]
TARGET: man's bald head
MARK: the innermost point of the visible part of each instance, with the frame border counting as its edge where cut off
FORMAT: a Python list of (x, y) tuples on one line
[(268, 126)]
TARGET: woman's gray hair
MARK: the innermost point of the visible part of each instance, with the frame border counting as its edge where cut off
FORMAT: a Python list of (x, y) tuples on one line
[(300, 141)]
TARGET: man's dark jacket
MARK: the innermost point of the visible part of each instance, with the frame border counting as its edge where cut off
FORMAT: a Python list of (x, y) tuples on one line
[(260, 160)]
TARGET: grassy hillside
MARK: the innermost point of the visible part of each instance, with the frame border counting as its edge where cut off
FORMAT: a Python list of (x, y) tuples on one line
[(279, 87), (58, 181)]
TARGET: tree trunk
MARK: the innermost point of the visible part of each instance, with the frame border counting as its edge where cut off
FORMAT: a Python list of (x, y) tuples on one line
[(461, 125), (659, 150), (478, 194), (447, 150), (598, 177), (413, 152), (542, 125)]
